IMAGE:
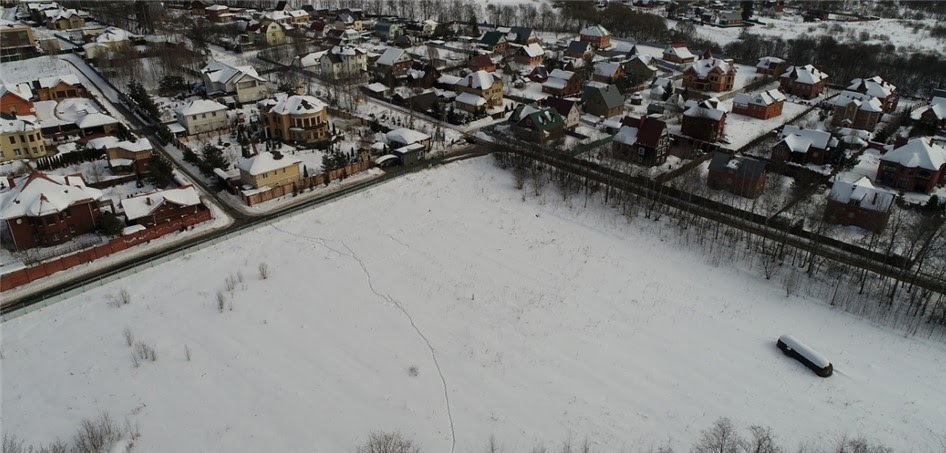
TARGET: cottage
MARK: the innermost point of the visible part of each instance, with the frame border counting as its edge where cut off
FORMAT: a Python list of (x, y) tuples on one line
[(562, 83), (242, 81), (859, 203), (535, 124), (401, 137), (579, 50), (640, 69), (710, 74), (297, 119), (918, 166), (645, 141), (803, 81), (21, 138), (124, 156), (16, 99), (740, 176), (856, 110), (481, 63), (804, 146), (494, 42), (42, 210), (395, 62), (387, 31), (479, 84), (16, 39), (268, 170), (202, 115), (879, 88), (935, 114), (311, 62), (678, 53), (163, 206), (772, 66), (64, 19), (530, 55), (266, 33), (522, 36), (344, 63), (605, 102), (704, 121), (596, 35), (567, 108), (607, 72), (764, 105), (59, 87)]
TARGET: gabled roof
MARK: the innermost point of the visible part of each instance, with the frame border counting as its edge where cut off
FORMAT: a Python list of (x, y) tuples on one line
[(627, 135), (918, 153), (544, 120), (862, 193), (532, 50), (765, 98), (199, 106), (703, 109), (679, 52), (806, 74), (863, 101), (52, 81), (481, 61), (20, 90), (803, 138), (606, 69), (874, 86), (742, 167), (519, 35), (767, 62), (492, 38), (311, 59), (578, 47), (40, 194), (938, 106), (561, 105), (594, 30), (219, 72), (704, 67), (405, 136), (610, 94), (265, 162), (479, 80), (143, 205), (470, 99), (393, 55), (649, 130)]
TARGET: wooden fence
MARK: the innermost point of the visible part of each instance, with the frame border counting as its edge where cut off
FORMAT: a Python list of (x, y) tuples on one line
[(23, 276)]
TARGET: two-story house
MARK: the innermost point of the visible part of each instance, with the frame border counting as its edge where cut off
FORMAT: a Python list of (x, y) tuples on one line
[(710, 74), (608, 72), (771, 66), (494, 42), (917, 166), (764, 105), (59, 87), (395, 62), (241, 81), (879, 88), (603, 101), (640, 69), (202, 115), (567, 108), (480, 84), (803, 81), (16, 99), (536, 124), (16, 39), (42, 210), (596, 35), (299, 119), (805, 146), (740, 176), (679, 54), (645, 141), (704, 121), (856, 110), (345, 63), (530, 55), (859, 203), (21, 138), (162, 206), (562, 83), (579, 50), (269, 169)]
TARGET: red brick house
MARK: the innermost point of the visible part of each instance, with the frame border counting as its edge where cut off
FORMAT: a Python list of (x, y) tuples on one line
[(596, 36), (741, 176), (710, 74), (764, 105), (395, 62), (803, 146), (772, 66), (15, 99), (703, 121), (481, 63), (162, 206), (918, 166), (879, 88), (562, 83), (43, 210), (859, 203), (935, 114), (678, 53), (645, 141), (803, 81), (530, 55), (856, 110)]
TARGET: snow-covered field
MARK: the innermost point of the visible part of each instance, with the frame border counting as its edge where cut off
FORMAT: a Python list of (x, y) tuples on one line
[(524, 318)]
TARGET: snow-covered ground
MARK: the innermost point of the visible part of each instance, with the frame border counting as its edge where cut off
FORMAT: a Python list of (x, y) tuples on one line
[(537, 321)]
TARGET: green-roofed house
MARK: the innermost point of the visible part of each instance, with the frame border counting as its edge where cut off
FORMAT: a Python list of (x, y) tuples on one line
[(536, 124), (494, 41)]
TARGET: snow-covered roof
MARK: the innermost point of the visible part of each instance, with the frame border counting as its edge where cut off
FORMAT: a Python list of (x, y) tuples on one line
[(347, 51), (405, 136), (594, 30), (311, 59), (765, 62), (807, 137), (470, 99), (803, 349), (874, 86), (218, 72), (704, 66), (95, 119), (142, 205), (938, 106), (606, 69), (20, 90), (52, 81), (391, 56), (863, 101), (477, 80), (703, 109), (626, 135), (40, 194), (679, 52), (217, 8), (377, 87), (20, 124), (764, 98), (533, 50), (265, 162), (561, 74), (448, 79), (918, 153), (199, 106), (863, 193), (298, 105), (806, 74), (112, 34)]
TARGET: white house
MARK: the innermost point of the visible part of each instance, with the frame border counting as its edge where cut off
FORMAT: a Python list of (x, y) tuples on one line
[(241, 80), (202, 115), (344, 63)]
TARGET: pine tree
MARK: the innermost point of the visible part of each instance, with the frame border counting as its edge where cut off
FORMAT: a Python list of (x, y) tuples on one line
[(161, 173)]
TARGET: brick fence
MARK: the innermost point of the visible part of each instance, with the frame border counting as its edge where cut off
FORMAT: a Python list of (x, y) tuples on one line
[(37, 271), (305, 183)]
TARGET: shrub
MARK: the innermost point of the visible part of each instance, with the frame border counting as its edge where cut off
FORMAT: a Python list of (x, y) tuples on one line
[(263, 271), (129, 337), (381, 442)]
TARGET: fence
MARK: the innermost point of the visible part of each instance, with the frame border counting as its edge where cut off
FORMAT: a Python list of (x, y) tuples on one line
[(305, 183), (585, 147), (29, 274)]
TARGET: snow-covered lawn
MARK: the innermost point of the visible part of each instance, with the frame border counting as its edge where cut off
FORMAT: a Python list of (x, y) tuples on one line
[(545, 322), (742, 129)]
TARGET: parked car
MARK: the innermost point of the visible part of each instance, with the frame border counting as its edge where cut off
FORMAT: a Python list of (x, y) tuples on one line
[(804, 354)]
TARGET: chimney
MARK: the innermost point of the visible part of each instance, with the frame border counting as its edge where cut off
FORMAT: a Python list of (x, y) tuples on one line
[(11, 183), (277, 155), (875, 198), (148, 201)]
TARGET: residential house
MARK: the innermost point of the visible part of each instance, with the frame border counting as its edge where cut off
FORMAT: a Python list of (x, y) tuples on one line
[(395, 62), (704, 121), (522, 36), (534, 124), (729, 19), (480, 84), (347, 21), (59, 87), (43, 210), (567, 108), (935, 114), (710, 74), (740, 176), (918, 166), (163, 206), (241, 81), (481, 63), (530, 55), (428, 27), (16, 99), (640, 69), (607, 72), (645, 141), (404, 137), (311, 62), (297, 119), (202, 115), (267, 33), (605, 102), (856, 110), (64, 19), (859, 203), (764, 105), (562, 83), (596, 35), (21, 138), (344, 63), (387, 31), (803, 81), (269, 170), (16, 39), (772, 66), (340, 37), (494, 42), (678, 53), (124, 156), (539, 74), (218, 14), (879, 88), (579, 50), (805, 146)]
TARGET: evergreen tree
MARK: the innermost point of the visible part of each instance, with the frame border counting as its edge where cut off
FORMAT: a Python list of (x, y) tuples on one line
[(213, 158), (161, 173)]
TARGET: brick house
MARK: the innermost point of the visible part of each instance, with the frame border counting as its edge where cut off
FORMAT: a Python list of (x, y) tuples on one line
[(295, 119), (494, 41), (741, 176), (596, 35), (764, 105), (480, 84), (124, 156), (710, 74), (59, 87), (562, 83), (163, 206), (394, 61), (16, 99), (603, 101), (43, 210), (936, 113), (804, 146), (803, 81), (530, 55), (645, 141), (678, 53), (481, 63), (859, 203), (918, 166), (703, 121), (772, 66), (879, 88), (607, 72), (856, 110)]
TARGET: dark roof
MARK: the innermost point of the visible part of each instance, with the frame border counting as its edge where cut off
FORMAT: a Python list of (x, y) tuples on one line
[(650, 130), (480, 61), (542, 119), (522, 34), (403, 40), (560, 105), (746, 168), (611, 95), (577, 47), (424, 101), (491, 38)]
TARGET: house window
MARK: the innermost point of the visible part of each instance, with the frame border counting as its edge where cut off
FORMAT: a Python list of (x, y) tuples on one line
[(203, 115), (72, 229), (12, 139), (55, 237)]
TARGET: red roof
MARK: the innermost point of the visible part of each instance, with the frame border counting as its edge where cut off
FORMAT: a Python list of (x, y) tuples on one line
[(649, 130), (481, 61)]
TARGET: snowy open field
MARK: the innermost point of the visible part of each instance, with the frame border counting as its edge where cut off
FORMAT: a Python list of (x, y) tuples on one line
[(546, 322)]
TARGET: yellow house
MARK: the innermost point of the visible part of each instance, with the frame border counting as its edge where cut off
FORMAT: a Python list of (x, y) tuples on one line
[(16, 39), (297, 118), (20, 139), (64, 19), (267, 33), (270, 170), (59, 87), (484, 91)]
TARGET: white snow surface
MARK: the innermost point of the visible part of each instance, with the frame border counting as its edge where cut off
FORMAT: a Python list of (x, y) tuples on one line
[(546, 321)]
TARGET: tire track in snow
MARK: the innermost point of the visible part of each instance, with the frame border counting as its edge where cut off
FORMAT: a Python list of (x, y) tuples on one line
[(364, 268)]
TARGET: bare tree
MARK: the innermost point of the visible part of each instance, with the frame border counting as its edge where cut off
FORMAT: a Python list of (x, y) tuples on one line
[(394, 442), (719, 438)]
